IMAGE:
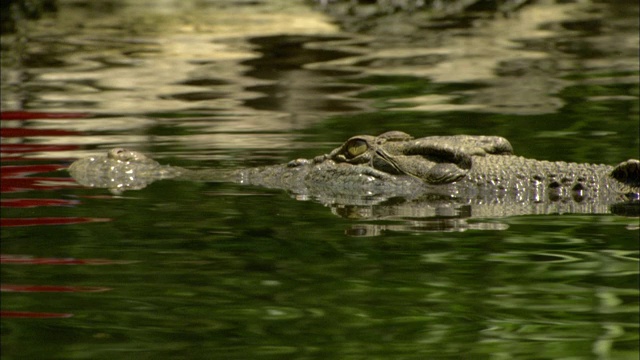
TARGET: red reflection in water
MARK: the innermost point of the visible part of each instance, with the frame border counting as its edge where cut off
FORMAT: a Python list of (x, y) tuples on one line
[(22, 132), (23, 170), (14, 178), (48, 221), (32, 315), (27, 115), (18, 178), (9, 132), (28, 260), (50, 288), (30, 203), (30, 148)]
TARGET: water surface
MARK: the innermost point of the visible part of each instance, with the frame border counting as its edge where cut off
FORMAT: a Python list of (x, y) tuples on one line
[(191, 270)]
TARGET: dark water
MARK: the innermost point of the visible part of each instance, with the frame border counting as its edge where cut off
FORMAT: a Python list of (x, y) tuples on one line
[(183, 270)]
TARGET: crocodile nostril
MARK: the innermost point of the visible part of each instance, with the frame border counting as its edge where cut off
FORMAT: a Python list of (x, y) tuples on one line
[(554, 185)]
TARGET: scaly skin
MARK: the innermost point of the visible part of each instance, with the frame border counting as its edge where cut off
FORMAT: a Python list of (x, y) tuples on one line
[(480, 169)]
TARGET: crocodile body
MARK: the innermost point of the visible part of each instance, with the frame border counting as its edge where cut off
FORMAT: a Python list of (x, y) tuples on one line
[(365, 169)]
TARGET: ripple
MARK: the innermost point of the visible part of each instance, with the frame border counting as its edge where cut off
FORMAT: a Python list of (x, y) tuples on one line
[(195, 96)]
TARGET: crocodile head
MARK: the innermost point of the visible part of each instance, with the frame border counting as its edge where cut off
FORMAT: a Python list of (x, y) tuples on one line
[(120, 169), (434, 159), (121, 154)]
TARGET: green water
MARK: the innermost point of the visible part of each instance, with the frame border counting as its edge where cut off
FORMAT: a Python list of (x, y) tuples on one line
[(184, 270)]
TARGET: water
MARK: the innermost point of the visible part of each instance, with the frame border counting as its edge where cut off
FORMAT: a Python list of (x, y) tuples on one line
[(184, 270)]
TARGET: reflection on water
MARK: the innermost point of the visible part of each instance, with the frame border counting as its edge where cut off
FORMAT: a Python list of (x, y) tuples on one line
[(276, 73), (188, 269)]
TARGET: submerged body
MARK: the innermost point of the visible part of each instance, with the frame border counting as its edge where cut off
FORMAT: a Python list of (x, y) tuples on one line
[(477, 169)]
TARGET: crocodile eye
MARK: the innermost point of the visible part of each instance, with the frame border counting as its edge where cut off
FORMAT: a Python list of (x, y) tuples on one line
[(355, 148)]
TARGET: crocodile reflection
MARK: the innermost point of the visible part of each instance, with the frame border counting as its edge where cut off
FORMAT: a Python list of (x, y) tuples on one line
[(396, 176)]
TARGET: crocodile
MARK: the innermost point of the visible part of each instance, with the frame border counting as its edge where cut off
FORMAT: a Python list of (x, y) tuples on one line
[(367, 170)]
